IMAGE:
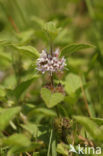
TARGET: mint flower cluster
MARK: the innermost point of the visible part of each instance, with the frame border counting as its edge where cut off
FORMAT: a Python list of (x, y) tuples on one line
[(50, 62)]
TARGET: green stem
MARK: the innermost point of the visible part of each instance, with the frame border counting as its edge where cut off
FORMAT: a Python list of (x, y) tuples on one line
[(50, 140), (51, 77)]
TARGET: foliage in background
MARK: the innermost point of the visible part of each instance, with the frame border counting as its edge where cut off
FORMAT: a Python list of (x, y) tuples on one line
[(35, 120)]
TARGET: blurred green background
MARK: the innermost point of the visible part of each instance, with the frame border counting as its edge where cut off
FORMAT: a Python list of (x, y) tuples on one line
[(23, 33)]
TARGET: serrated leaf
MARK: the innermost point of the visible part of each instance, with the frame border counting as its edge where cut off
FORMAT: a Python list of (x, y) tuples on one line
[(6, 115), (51, 99), (27, 50), (72, 83), (69, 49)]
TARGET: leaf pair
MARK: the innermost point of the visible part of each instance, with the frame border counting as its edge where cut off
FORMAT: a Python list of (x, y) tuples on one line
[(51, 30), (51, 99)]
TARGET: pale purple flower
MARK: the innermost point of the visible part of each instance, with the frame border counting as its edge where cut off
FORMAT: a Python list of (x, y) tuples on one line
[(50, 63)]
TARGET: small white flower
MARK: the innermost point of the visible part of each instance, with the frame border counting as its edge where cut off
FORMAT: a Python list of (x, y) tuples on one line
[(48, 63), (43, 54)]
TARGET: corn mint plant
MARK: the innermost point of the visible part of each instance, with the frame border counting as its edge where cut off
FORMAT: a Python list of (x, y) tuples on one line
[(51, 78)]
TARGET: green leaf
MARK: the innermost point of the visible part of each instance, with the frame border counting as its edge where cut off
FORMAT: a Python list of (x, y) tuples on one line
[(72, 83), (27, 50), (38, 21), (99, 121), (44, 111), (69, 49), (91, 127), (5, 56), (51, 99), (25, 36), (6, 115), (63, 149), (36, 154), (18, 148), (10, 81), (4, 42), (31, 128), (17, 140), (2, 92), (54, 153), (22, 87), (51, 29)]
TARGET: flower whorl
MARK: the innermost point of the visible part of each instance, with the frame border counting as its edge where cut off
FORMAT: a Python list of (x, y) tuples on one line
[(50, 63)]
